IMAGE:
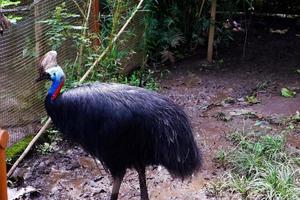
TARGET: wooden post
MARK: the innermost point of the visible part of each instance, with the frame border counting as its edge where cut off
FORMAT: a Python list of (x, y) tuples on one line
[(3, 178), (210, 47), (95, 26), (38, 30)]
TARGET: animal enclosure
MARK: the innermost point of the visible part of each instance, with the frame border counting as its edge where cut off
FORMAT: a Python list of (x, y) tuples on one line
[(23, 44), (21, 99), (243, 107)]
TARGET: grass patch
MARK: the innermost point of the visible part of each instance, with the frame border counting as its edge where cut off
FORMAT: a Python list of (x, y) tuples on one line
[(14, 151), (260, 167), (46, 144)]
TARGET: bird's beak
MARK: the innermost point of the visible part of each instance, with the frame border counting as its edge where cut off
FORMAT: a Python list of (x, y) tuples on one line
[(44, 76)]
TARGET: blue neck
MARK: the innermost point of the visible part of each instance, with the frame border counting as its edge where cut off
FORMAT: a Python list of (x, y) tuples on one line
[(54, 87)]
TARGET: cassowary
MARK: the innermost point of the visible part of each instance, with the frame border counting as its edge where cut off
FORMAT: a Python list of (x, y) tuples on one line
[(123, 126)]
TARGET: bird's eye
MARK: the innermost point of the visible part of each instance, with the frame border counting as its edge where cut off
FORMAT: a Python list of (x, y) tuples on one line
[(54, 74)]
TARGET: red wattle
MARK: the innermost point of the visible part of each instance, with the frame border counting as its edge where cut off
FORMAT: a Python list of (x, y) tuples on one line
[(57, 91)]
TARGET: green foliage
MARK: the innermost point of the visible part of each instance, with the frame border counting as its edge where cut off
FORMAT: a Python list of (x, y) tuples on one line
[(14, 151), (260, 168), (9, 3), (13, 19), (62, 29), (252, 99), (141, 78), (49, 142), (45, 148), (177, 28), (173, 28), (288, 93), (5, 3), (221, 158), (112, 18)]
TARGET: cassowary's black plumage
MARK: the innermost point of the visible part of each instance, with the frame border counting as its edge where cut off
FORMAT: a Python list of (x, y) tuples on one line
[(126, 127)]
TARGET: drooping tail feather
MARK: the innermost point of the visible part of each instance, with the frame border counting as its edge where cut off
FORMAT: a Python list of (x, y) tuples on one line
[(176, 146)]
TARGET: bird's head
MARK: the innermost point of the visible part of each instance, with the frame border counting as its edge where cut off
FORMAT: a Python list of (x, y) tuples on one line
[(49, 69)]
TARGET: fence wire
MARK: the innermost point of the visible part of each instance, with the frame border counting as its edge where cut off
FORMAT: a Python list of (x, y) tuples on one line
[(21, 46)]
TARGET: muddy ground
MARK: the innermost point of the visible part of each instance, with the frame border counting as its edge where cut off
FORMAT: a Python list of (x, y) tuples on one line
[(213, 97)]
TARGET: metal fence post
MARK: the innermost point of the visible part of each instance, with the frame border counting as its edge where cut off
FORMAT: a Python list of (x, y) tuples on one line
[(3, 178)]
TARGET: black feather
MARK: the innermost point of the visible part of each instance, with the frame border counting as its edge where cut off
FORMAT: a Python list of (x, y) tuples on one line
[(127, 127)]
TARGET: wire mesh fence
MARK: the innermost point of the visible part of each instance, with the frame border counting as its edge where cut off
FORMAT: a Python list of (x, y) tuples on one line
[(21, 46)]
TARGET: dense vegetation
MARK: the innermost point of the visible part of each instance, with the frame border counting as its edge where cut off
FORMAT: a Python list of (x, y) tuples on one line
[(173, 29), (260, 167)]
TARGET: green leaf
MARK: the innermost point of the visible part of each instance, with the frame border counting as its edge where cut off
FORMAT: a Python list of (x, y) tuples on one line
[(14, 19), (8, 3), (288, 93), (298, 71), (252, 99)]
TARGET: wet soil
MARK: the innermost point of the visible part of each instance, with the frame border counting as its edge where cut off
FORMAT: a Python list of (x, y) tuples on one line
[(214, 98)]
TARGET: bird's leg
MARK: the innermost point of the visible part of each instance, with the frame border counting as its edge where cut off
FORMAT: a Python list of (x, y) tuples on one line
[(143, 185), (117, 180)]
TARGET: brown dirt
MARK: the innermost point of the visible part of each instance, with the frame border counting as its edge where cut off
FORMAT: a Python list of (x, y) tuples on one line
[(270, 64)]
